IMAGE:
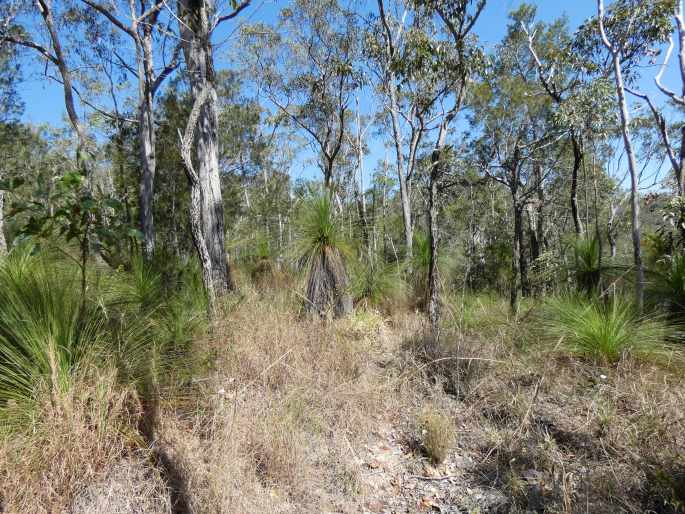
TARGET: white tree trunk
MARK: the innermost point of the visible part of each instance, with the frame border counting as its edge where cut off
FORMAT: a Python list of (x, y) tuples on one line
[(632, 166)]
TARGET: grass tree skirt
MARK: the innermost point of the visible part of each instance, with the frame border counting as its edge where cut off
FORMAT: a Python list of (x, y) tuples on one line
[(327, 285)]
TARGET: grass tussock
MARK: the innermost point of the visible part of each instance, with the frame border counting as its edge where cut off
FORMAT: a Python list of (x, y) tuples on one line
[(607, 331), (269, 412), (436, 433), (85, 443), (283, 405)]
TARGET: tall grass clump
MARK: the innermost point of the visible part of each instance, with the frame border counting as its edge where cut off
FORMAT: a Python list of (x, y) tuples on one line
[(46, 332), (152, 316), (666, 284), (605, 332), (321, 249), (378, 284), (587, 263)]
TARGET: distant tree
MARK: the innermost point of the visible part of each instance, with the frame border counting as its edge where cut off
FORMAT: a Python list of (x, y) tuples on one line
[(306, 68), (141, 25), (620, 40), (10, 107), (452, 67), (517, 133)]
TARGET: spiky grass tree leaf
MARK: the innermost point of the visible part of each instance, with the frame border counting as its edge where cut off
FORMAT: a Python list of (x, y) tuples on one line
[(666, 286), (378, 284), (587, 263)]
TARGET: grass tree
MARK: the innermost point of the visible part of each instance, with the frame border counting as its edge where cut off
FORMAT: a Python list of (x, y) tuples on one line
[(322, 252)]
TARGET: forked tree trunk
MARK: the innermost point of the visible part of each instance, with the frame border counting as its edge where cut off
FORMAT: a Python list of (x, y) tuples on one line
[(196, 227), (197, 49), (405, 198)]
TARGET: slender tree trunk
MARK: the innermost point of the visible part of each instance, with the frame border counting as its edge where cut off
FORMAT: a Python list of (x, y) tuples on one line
[(611, 236), (197, 49), (577, 162), (634, 193), (405, 188), (433, 230), (433, 233), (516, 255), (359, 186), (147, 144), (632, 166)]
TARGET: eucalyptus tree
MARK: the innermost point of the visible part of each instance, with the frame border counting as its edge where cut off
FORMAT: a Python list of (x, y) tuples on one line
[(13, 31), (197, 21), (10, 107), (669, 132), (451, 65), (517, 140), (620, 40), (305, 67), (389, 45), (581, 100), (151, 36)]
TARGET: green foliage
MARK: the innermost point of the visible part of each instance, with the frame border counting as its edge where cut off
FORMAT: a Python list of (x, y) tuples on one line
[(130, 320), (634, 26), (72, 211), (587, 260), (605, 332), (666, 284), (483, 314), (319, 229), (46, 334), (378, 284)]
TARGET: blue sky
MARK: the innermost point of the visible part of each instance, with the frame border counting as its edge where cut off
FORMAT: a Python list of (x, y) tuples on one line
[(44, 101)]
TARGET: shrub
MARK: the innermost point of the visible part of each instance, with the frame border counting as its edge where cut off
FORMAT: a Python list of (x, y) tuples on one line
[(605, 332)]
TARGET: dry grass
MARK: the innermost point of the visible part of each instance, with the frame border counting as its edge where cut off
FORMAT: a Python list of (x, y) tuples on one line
[(280, 412), (282, 415), (79, 454)]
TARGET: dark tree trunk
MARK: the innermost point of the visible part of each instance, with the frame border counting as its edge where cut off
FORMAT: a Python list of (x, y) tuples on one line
[(577, 162), (516, 255)]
